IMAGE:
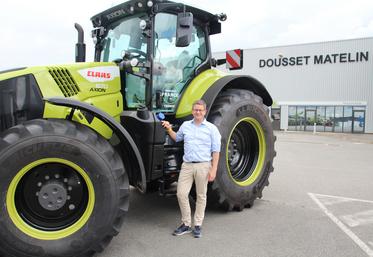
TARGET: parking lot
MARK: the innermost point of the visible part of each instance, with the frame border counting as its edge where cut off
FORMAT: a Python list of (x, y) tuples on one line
[(319, 203)]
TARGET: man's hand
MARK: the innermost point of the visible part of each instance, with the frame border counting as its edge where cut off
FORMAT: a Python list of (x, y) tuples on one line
[(214, 166), (169, 130), (166, 125), (211, 175)]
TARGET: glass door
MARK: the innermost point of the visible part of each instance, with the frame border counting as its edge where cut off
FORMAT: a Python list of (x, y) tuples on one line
[(310, 119), (358, 126)]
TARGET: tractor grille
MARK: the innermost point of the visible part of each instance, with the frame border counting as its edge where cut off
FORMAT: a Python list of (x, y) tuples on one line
[(65, 81)]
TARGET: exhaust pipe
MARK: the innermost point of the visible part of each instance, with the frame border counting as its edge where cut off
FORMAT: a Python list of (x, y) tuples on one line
[(80, 46)]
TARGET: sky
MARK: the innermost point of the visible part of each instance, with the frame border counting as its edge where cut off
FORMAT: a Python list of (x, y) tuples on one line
[(41, 32)]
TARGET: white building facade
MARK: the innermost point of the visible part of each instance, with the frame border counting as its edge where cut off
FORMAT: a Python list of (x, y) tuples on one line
[(327, 87)]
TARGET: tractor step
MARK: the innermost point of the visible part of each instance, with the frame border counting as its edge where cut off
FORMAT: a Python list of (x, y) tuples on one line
[(165, 189)]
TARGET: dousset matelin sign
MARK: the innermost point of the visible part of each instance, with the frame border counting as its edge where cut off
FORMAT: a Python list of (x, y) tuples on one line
[(284, 61)]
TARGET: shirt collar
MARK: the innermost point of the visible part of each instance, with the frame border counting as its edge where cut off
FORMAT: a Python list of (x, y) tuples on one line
[(203, 122)]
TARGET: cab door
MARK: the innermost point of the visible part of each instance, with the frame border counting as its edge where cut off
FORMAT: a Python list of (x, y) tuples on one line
[(174, 66)]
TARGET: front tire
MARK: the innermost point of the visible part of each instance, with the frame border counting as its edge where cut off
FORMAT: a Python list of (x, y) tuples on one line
[(247, 152), (63, 190)]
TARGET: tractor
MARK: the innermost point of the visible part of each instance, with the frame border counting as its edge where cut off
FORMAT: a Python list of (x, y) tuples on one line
[(74, 138)]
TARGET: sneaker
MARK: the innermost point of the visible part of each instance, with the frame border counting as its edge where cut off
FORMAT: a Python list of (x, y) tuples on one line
[(182, 230), (197, 232)]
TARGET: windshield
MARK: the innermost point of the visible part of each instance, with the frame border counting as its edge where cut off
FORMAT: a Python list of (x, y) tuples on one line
[(124, 35), (173, 67)]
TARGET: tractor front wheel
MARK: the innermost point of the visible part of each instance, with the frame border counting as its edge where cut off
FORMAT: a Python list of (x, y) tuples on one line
[(63, 189)]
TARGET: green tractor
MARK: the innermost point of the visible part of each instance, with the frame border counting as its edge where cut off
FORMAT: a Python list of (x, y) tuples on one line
[(73, 138)]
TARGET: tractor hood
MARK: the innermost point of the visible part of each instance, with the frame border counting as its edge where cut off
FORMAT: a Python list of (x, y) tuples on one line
[(22, 92), (78, 80)]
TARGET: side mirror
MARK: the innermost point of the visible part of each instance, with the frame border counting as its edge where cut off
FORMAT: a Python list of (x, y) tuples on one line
[(184, 29)]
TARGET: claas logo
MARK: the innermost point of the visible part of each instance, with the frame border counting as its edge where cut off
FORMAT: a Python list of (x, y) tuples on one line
[(97, 74)]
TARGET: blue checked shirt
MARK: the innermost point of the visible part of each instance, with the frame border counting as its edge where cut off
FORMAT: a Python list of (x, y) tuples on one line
[(199, 141)]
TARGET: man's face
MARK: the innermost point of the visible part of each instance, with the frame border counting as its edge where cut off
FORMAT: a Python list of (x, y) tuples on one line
[(198, 112)]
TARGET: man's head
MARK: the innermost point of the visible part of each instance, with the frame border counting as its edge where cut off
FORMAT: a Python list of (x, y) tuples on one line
[(199, 110)]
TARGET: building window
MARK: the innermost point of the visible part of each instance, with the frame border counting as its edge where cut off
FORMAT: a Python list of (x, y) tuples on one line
[(320, 119), (329, 119), (347, 119), (301, 118), (292, 118), (338, 119)]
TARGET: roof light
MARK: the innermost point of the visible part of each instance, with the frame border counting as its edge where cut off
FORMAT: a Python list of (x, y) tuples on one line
[(149, 3), (139, 4)]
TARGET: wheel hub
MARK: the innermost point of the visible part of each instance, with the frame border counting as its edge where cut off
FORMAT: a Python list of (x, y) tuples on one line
[(52, 196), (243, 151)]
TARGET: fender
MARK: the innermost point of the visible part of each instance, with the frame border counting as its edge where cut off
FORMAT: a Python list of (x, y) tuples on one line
[(210, 83), (238, 82), (117, 128)]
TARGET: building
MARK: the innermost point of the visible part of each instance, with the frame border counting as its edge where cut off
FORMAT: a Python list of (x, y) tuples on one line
[(327, 86)]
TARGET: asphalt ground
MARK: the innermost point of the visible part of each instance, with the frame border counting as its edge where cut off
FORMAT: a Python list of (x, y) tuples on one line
[(319, 203)]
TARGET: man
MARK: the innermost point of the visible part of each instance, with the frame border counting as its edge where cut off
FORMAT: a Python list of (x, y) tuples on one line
[(200, 162)]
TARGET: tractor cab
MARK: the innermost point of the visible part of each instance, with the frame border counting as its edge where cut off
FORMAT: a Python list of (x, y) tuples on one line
[(160, 45)]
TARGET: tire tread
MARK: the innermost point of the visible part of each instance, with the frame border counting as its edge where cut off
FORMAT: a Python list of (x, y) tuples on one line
[(81, 133), (219, 109)]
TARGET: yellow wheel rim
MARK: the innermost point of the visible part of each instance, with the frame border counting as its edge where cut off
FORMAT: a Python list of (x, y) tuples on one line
[(38, 233), (245, 161)]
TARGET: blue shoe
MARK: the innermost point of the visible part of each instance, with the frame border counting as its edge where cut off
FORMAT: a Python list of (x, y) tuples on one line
[(182, 230), (197, 232)]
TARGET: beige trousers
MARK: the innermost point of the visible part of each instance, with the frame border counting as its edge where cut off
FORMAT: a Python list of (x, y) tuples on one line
[(197, 172)]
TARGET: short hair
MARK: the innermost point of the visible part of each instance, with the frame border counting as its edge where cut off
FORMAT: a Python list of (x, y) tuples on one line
[(200, 102)]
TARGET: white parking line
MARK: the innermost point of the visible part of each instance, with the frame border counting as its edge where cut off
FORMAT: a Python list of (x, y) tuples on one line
[(331, 201), (342, 226), (340, 198), (360, 218)]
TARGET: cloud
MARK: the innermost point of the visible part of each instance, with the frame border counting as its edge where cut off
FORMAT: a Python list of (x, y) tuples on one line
[(335, 21), (288, 22), (42, 32)]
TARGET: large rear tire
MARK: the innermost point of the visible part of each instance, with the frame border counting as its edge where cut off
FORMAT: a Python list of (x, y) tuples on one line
[(63, 190), (247, 151)]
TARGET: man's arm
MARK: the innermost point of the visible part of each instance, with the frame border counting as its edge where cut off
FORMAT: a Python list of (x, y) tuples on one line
[(214, 166), (215, 148)]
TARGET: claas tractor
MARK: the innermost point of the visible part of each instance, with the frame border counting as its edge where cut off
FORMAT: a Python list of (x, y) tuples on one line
[(75, 137)]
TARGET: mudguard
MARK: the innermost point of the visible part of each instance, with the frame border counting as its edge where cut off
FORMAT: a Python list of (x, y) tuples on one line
[(237, 82), (117, 128), (210, 83)]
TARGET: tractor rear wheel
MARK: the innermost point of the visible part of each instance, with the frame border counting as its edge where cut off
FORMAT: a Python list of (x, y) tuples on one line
[(247, 150), (63, 189)]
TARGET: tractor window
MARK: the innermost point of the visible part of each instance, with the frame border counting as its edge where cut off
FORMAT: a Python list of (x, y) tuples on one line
[(135, 91), (174, 66), (124, 35)]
